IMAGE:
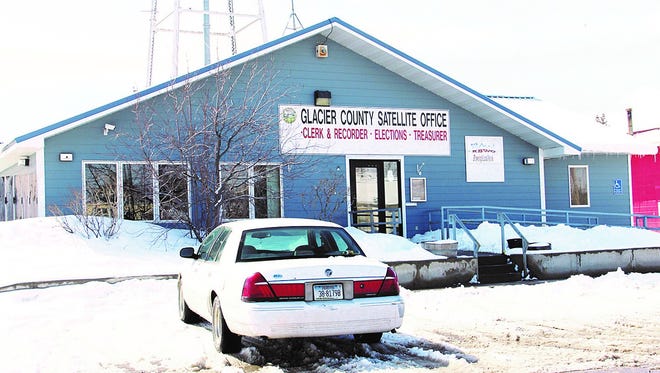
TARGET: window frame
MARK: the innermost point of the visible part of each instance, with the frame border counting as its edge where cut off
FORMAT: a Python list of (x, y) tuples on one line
[(571, 183), (251, 185), (119, 192)]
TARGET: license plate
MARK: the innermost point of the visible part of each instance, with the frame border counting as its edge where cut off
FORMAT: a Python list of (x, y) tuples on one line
[(328, 291)]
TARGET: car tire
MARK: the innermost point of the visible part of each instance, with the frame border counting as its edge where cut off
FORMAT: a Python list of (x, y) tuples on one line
[(223, 339), (368, 338), (185, 313)]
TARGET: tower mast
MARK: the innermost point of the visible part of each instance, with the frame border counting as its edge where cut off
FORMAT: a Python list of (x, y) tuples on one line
[(175, 22), (293, 22)]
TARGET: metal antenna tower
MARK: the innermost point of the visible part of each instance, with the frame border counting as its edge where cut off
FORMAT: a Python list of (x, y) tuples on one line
[(228, 24), (294, 21)]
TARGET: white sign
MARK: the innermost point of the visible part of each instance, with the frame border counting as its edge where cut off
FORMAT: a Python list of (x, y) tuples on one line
[(484, 159), (355, 130)]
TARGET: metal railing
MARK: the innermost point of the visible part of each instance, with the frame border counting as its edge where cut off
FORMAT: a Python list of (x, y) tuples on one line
[(392, 221), (474, 215), (455, 220), (504, 220)]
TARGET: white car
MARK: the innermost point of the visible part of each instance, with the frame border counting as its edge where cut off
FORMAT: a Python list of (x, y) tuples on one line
[(287, 278)]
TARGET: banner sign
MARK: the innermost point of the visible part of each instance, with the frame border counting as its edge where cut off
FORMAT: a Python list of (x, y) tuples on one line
[(355, 130), (484, 159)]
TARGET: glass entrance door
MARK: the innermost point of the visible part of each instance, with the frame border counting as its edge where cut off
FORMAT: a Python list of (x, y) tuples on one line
[(376, 195)]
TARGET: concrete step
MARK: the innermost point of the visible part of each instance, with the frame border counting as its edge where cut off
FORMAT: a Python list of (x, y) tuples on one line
[(497, 268), (498, 278)]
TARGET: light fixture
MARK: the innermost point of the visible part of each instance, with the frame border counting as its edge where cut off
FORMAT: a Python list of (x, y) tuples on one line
[(107, 128), (322, 98), (528, 161)]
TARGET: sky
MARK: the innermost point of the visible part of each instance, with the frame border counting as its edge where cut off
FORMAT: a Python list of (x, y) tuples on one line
[(62, 58)]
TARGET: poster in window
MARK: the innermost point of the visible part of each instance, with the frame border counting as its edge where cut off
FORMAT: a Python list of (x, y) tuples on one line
[(417, 189), (484, 159)]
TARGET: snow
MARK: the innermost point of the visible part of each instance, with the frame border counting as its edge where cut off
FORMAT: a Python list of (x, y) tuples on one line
[(40, 250), (562, 238), (579, 129), (133, 325)]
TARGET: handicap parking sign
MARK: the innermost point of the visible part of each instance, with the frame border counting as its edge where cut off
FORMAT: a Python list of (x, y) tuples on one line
[(618, 186)]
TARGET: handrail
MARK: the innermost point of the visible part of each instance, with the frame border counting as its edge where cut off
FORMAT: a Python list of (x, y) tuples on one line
[(454, 219), (503, 220), (395, 219), (535, 216)]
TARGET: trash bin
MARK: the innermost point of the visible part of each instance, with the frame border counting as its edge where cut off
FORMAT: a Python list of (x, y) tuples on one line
[(514, 243)]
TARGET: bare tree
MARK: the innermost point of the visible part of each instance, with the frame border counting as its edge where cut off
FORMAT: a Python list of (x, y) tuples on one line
[(221, 135), (325, 199), (90, 215), (601, 119)]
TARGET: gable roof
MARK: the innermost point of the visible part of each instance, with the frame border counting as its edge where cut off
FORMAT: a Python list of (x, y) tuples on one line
[(357, 41)]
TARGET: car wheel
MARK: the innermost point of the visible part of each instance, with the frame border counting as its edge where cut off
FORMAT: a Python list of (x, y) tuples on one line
[(223, 339), (368, 337), (186, 314)]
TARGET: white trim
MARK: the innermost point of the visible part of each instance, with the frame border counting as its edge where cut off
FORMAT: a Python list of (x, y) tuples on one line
[(40, 160), (542, 195), (631, 206), (251, 207), (402, 187), (570, 201), (119, 174)]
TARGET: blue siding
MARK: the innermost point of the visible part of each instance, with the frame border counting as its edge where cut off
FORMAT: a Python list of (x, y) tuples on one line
[(86, 143), (299, 183), (356, 81), (353, 81), (603, 170)]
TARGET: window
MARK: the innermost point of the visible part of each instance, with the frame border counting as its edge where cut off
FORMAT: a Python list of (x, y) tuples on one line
[(138, 191), (218, 245), (205, 246), (172, 191), (237, 195), (101, 189), (296, 242), (251, 192), (267, 192), (132, 190), (578, 179)]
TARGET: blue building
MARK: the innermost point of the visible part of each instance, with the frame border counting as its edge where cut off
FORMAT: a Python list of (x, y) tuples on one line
[(372, 137)]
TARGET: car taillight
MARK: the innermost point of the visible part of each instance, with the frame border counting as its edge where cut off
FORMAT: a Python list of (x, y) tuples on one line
[(257, 289), (390, 284), (372, 288), (289, 291)]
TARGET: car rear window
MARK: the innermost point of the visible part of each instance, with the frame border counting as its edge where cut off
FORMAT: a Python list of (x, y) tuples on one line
[(296, 242)]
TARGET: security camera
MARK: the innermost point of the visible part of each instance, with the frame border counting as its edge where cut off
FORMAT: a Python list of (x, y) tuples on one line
[(107, 128)]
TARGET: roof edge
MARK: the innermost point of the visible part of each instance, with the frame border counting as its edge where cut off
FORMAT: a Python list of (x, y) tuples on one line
[(172, 82), (458, 84), (254, 52)]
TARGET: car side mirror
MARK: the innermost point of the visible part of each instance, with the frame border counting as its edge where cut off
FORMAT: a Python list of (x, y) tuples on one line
[(188, 253)]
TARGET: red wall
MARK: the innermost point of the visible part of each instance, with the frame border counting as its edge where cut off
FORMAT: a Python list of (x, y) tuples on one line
[(645, 172)]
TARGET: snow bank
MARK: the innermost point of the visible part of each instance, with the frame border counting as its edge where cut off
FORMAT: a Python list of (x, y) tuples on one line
[(562, 237)]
